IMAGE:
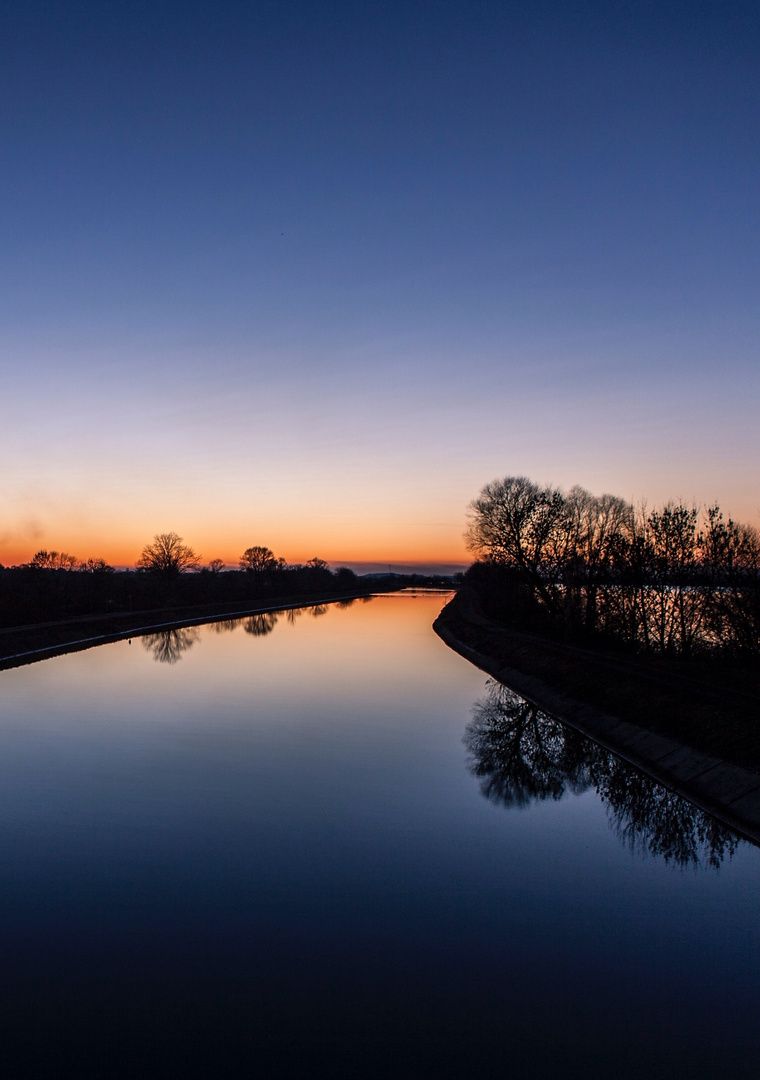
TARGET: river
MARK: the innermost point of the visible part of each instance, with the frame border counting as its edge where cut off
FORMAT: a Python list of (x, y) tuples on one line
[(323, 844)]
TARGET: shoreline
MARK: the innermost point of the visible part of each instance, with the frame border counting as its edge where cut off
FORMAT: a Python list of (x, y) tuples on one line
[(134, 624), (727, 790)]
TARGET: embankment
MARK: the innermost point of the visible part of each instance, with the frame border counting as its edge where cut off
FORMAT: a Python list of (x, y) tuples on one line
[(21, 645), (697, 737)]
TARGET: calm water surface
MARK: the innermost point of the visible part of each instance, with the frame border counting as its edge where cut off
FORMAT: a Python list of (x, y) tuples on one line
[(325, 845)]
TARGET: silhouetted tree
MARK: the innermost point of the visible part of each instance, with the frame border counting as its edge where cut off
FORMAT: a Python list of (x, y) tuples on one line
[(591, 535), (514, 522), (346, 578), (318, 575), (167, 557), (673, 605), (731, 554), (96, 566), (667, 580), (258, 560), (53, 560), (215, 566)]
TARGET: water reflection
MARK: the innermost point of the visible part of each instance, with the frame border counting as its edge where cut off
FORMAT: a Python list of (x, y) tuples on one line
[(167, 646), (225, 626), (260, 625), (521, 755)]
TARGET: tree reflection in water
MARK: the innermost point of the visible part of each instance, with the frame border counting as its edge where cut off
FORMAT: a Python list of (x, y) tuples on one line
[(521, 755), (225, 626), (260, 625), (168, 646)]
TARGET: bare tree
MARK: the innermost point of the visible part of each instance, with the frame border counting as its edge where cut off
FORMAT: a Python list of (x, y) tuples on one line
[(675, 607), (731, 554), (96, 566), (167, 557), (593, 533), (515, 522), (672, 580), (53, 560), (258, 559), (215, 566)]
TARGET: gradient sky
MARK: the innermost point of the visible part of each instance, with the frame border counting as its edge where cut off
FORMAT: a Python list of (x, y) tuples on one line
[(310, 274)]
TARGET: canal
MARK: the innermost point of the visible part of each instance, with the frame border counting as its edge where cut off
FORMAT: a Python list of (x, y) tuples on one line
[(320, 843)]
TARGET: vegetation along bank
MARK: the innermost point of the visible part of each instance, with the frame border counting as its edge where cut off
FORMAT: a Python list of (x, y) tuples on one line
[(641, 629)]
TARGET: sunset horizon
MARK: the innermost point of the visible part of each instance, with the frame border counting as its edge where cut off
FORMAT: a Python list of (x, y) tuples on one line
[(312, 278), (296, 541)]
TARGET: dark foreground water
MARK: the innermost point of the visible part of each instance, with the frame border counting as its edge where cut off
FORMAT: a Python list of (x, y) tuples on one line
[(329, 847)]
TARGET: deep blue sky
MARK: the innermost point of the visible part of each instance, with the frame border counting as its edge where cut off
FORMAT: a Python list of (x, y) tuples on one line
[(310, 274)]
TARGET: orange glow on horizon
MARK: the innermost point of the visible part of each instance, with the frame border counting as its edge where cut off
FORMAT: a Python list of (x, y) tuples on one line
[(366, 525), (120, 544), (122, 553)]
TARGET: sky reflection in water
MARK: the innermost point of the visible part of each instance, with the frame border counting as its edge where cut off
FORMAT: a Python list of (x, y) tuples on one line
[(269, 847)]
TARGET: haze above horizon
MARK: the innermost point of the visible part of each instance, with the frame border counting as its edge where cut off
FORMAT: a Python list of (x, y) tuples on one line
[(309, 276)]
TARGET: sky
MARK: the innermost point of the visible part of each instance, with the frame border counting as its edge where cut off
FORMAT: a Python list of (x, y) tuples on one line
[(309, 275)]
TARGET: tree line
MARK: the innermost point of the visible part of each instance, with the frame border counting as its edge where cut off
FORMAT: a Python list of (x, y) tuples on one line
[(671, 580), (168, 572)]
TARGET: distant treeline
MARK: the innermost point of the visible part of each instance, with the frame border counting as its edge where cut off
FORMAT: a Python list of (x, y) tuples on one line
[(55, 585), (671, 580)]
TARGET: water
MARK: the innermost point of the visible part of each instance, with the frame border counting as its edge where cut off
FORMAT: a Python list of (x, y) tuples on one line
[(324, 845)]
